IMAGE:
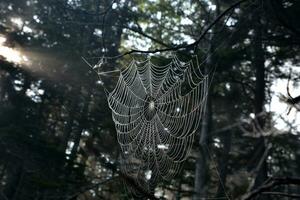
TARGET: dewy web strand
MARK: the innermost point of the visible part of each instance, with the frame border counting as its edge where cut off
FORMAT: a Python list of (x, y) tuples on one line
[(155, 123)]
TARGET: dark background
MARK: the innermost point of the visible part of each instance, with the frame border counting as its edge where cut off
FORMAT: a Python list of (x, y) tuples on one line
[(57, 137)]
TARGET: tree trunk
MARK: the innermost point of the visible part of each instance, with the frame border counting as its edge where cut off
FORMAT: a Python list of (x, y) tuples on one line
[(13, 173), (260, 83), (81, 126), (223, 163), (69, 123), (201, 177)]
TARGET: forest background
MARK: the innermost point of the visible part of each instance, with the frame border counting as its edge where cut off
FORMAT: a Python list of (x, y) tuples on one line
[(57, 137)]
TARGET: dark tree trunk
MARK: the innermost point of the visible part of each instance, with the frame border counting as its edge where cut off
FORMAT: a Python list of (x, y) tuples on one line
[(82, 125), (223, 163), (202, 159), (14, 174), (260, 84), (69, 123), (201, 176)]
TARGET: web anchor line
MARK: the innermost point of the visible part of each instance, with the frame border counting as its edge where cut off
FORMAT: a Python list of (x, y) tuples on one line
[(96, 68)]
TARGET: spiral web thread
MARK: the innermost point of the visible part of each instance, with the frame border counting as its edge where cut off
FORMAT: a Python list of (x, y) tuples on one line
[(156, 111)]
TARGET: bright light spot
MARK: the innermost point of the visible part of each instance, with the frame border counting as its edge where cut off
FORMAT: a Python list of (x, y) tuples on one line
[(134, 42), (185, 38), (272, 49), (252, 115), (251, 32), (35, 93), (177, 109), (73, 3), (97, 32), (211, 6), (163, 146), (17, 21), (231, 21), (69, 147), (114, 6), (158, 15), (25, 58), (41, 92), (143, 26), (85, 133), (217, 145), (247, 41), (217, 142), (10, 54), (93, 193), (18, 82), (99, 82), (2, 40), (227, 85), (186, 21), (148, 174), (18, 85), (134, 9), (26, 29), (36, 18), (187, 7)]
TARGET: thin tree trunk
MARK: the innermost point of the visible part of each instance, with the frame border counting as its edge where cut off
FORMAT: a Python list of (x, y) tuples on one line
[(201, 176), (223, 163), (82, 125), (69, 123), (14, 173), (260, 84)]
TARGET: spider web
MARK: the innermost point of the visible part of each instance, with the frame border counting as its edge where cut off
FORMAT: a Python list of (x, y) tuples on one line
[(156, 111)]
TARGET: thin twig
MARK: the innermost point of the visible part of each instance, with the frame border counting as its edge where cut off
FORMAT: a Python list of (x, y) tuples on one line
[(270, 184), (282, 194), (83, 190)]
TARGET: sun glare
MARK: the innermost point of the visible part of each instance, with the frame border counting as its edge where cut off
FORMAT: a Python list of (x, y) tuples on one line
[(10, 54), (2, 40), (17, 21)]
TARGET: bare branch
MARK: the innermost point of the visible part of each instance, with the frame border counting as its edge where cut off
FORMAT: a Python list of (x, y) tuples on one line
[(188, 46), (86, 188), (282, 194), (139, 31), (270, 184)]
